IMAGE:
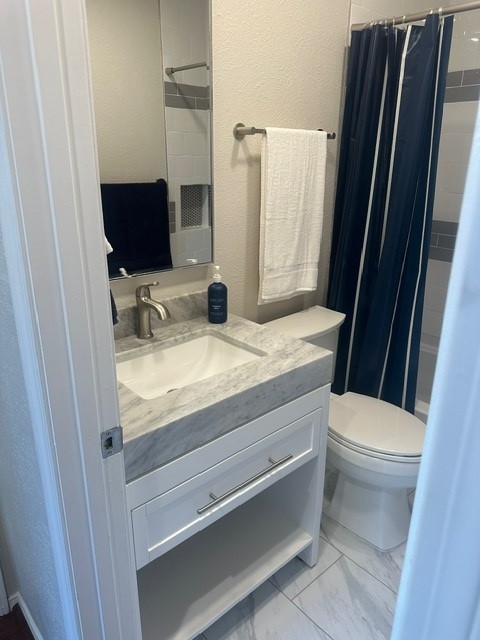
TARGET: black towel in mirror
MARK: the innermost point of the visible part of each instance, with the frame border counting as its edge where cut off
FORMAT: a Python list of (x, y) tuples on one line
[(114, 309), (136, 223)]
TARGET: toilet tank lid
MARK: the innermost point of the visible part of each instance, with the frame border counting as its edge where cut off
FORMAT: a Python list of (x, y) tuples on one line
[(307, 324), (376, 425)]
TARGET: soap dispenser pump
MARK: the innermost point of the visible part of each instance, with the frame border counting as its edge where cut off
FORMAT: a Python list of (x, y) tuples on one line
[(217, 299)]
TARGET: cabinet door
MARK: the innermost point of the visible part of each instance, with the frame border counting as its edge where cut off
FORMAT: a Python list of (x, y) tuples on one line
[(169, 519)]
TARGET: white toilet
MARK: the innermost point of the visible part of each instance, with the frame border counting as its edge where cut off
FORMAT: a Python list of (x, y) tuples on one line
[(375, 446)]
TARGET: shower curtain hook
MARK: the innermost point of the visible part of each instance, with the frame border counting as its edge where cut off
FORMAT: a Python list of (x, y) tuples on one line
[(440, 12), (403, 19)]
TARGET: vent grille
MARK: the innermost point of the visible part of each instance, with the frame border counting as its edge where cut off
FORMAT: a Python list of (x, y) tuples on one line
[(210, 207), (195, 205)]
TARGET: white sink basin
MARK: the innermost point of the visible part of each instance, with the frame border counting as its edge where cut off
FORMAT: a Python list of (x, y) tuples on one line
[(163, 370)]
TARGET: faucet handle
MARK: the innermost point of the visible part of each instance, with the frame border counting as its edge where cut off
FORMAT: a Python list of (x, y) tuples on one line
[(144, 289)]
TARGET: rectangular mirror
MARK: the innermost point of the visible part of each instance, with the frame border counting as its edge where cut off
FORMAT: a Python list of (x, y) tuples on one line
[(150, 62)]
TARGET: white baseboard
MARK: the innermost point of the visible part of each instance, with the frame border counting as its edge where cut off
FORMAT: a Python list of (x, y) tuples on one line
[(3, 596), (12, 601), (17, 599)]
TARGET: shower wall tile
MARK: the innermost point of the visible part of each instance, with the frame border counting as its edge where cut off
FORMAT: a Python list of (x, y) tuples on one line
[(435, 299), (438, 253), (471, 76), (179, 102), (446, 242), (468, 93), (454, 79), (175, 143), (447, 206), (442, 241), (455, 147), (368, 10), (459, 117), (359, 13), (438, 274), (445, 228), (435, 274), (190, 90), (188, 145), (378, 6), (451, 178), (432, 323)]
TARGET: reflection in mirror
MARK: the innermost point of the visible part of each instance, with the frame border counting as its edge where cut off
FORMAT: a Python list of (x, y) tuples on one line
[(153, 130)]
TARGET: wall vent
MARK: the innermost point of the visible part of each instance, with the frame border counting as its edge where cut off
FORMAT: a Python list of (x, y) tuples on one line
[(195, 205)]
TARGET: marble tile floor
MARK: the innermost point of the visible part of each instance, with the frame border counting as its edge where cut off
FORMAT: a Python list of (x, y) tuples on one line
[(349, 595)]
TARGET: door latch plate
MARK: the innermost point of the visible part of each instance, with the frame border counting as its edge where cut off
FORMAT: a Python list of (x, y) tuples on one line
[(112, 441)]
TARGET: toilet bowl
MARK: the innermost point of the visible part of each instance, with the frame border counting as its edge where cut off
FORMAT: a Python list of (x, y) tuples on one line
[(375, 446)]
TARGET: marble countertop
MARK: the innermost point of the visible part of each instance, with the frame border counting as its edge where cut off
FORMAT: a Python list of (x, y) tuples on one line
[(157, 431)]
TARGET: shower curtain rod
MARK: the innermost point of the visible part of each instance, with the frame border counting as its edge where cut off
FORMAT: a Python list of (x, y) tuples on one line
[(414, 17)]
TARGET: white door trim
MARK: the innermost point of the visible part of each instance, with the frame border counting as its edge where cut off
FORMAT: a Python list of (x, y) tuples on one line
[(53, 235), (439, 593)]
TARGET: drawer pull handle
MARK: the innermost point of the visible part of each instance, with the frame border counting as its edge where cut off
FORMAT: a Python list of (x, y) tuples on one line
[(216, 500)]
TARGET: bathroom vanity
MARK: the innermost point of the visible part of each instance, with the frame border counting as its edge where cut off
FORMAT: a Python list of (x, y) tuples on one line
[(225, 474)]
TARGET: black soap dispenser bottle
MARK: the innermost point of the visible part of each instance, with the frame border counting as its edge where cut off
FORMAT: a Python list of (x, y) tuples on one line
[(217, 299)]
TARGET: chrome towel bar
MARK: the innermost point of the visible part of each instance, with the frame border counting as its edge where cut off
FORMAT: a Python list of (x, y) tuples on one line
[(240, 131), (171, 70)]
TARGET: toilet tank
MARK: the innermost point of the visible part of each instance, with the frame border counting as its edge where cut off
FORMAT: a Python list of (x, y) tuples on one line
[(316, 325)]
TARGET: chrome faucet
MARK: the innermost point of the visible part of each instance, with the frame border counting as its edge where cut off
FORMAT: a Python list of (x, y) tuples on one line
[(145, 304)]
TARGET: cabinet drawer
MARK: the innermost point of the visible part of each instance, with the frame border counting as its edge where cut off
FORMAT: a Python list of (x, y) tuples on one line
[(172, 517)]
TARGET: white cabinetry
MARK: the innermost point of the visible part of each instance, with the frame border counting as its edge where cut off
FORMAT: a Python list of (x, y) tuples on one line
[(212, 525)]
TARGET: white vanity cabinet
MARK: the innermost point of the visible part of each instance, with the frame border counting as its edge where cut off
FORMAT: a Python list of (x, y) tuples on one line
[(212, 525)]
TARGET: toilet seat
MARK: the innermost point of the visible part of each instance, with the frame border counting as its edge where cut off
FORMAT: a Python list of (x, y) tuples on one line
[(376, 428), (373, 454)]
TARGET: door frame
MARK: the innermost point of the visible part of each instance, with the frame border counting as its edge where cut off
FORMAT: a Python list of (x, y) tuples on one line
[(53, 236)]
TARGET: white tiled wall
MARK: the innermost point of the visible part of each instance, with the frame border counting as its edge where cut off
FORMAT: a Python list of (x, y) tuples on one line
[(191, 244), (185, 29), (455, 142), (465, 53), (185, 38), (438, 274), (188, 160), (369, 10)]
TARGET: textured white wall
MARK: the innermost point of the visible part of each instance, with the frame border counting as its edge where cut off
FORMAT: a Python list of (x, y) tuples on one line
[(29, 567), (274, 64), (125, 51)]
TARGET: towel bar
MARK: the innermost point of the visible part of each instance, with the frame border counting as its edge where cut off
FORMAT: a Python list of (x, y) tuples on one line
[(240, 131), (171, 70)]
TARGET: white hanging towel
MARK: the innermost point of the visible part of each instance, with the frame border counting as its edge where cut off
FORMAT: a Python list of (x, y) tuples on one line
[(291, 215), (108, 246)]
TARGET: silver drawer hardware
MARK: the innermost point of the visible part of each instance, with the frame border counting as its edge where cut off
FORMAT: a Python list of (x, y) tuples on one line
[(242, 485)]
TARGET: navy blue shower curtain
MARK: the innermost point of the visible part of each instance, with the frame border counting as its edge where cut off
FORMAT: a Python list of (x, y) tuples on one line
[(383, 210)]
